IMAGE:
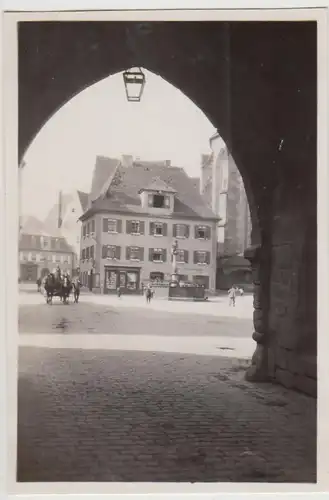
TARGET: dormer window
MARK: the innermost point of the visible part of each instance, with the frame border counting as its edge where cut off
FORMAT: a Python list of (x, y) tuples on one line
[(159, 201)]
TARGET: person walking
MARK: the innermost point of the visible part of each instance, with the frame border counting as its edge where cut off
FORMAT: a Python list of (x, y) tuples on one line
[(149, 293), (232, 296), (39, 284), (119, 292)]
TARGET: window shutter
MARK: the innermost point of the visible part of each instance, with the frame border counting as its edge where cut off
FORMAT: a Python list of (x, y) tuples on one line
[(127, 253), (208, 257), (105, 225), (119, 226), (150, 254), (164, 255), (142, 227), (151, 227), (208, 232), (92, 252), (87, 253), (187, 231), (104, 252), (195, 257), (196, 232), (164, 229), (186, 256), (150, 200), (83, 254), (88, 228), (83, 231), (117, 252), (174, 230), (93, 226), (128, 227), (141, 253), (167, 201)]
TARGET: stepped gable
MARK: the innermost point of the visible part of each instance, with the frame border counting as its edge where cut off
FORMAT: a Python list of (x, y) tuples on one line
[(123, 194)]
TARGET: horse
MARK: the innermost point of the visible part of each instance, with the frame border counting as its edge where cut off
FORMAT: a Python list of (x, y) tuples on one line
[(50, 286), (66, 288), (76, 289)]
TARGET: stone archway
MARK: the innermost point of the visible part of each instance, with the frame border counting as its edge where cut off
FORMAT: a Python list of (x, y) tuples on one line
[(256, 82)]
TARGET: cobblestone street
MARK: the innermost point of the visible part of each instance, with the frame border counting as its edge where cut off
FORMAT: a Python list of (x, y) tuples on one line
[(171, 405)]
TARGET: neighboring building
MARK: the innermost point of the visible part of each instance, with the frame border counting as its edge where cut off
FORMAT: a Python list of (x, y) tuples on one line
[(63, 219), (129, 229), (222, 187), (40, 253)]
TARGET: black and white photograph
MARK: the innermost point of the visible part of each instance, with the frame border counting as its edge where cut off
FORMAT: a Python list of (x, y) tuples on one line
[(164, 251)]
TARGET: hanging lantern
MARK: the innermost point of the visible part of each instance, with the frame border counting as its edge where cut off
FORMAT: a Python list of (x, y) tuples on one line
[(134, 80)]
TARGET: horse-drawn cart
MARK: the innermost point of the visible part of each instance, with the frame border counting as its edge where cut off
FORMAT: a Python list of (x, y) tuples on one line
[(55, 287)]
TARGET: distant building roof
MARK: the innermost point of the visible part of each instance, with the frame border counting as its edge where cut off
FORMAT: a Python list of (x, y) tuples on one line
[(122, 195), (32, 225)]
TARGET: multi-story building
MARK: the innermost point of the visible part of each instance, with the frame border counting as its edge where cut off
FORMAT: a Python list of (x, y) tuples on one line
[(63, 219), (129, 230), (222, 187), (41, 253)]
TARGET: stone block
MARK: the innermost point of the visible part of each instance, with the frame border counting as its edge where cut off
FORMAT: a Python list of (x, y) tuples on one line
[(282, 358), (306, 385), (271, 360), (304, 366), (285, 378)]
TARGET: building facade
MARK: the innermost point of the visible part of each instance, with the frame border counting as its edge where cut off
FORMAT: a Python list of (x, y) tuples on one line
[(222, 187), (128, 233), (40, 254)]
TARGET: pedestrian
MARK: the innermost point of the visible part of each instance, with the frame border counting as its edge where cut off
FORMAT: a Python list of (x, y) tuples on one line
[(39, 284), (119, 292), (232, 295), (149, 293)]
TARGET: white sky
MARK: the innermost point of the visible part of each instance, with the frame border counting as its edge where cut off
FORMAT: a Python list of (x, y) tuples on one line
[(165, 125)]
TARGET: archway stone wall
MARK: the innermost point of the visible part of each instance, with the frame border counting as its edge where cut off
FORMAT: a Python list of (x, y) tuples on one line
[(256, 82)]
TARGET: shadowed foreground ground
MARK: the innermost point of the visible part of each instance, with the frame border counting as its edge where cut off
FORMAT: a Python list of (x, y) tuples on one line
[(94, 415)]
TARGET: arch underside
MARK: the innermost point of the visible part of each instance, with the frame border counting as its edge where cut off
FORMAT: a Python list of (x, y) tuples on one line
[(256, 82)]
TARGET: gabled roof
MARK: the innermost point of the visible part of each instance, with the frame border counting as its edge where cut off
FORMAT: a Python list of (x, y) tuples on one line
[(123, 194), (83, 197), (158, 184), (104, 169)]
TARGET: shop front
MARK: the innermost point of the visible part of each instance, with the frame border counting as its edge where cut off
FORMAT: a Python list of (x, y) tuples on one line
[(127, 278), (28, 272)]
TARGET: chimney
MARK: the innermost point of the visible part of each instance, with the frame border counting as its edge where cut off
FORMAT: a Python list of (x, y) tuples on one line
[(60, 207), (127, 160), (167, 163)]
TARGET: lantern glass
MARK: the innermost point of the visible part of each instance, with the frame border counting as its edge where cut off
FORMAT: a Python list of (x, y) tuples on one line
[(134, 80)]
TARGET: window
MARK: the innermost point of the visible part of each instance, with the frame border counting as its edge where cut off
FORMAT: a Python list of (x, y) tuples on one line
[(93, 226), (202, 232), (57, 258), (62, 258), (158, 228), (33, 257), (183, 277), (111, 252), (83, 254), (92, 252), (87, 253), (135, 227), (68, 259), (157, 255), (158, 201), (134, 253), (21, 256), (111, 226), (202, 280), (84, 230), (181, 230), (201, 257), (25, 257), (156, 276), (182, 256)]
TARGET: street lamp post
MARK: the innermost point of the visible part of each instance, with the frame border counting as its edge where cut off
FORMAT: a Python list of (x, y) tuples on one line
[(134, 80)]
